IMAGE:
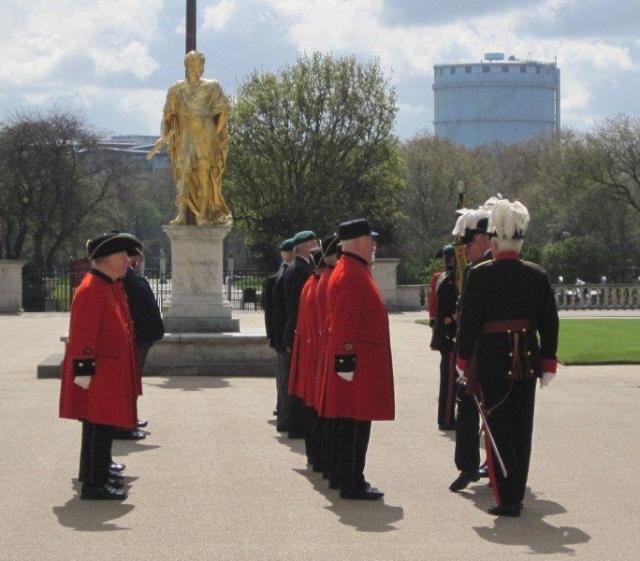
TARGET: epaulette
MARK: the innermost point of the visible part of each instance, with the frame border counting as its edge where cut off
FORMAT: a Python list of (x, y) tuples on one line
[(482, 263), (533, 266)]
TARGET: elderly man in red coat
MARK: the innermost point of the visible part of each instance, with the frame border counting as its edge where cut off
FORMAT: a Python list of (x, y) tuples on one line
[(358, 386), (100, 380)]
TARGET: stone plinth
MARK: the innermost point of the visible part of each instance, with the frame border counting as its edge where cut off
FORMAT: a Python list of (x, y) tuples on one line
[(385, 275), (408, 297), (11, 286), (198, 303), (212, 354)]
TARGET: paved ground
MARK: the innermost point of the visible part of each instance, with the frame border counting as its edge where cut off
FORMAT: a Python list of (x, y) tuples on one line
[(214, 481)]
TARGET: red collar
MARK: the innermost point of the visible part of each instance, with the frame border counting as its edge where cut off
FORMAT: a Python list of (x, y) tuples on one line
[(506, 255), (356, 257)]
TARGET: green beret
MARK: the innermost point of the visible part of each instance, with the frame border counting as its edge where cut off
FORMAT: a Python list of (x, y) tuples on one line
[(304, 236), (448, 251), (287, 245)]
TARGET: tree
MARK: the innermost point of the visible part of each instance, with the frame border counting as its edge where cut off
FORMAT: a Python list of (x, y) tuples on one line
[(585, 258), (613, 158), (53, 176), (432, 168), (312, 145)]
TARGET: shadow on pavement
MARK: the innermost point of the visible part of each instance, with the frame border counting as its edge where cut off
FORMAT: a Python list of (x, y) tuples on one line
[(364, 516), (530, 530), (189, 383), (294, 444), (126, 447), (91, 516), (450, 434)]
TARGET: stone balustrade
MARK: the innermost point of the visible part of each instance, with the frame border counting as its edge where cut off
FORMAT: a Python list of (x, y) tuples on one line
[(597, 296)]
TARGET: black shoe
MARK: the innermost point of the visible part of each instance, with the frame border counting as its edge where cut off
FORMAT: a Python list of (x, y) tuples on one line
[(362, 495), (448, 426), (116, 475), (483, 471), (116, 482), (334, 483), (142, 423), (463, 480), (282, 429), (275, 412), (129, 435), (506, 510), (104, 493), (115, 466)]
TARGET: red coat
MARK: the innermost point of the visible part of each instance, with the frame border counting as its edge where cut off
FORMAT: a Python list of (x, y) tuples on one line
[(357, 328), (101, 330), (321, 307), (305, 341)]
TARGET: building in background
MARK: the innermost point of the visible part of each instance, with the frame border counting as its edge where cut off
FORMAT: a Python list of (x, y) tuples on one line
[(496, 100), (135, 147)]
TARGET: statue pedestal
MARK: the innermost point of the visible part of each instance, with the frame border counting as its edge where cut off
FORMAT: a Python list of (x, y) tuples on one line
[(198, 304), (11, 286)]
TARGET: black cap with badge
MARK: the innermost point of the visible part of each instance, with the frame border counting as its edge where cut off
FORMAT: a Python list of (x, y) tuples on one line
[(113, 242), (352, 229)]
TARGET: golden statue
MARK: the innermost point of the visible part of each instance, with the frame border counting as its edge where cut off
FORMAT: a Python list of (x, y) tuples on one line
[(194, 129)]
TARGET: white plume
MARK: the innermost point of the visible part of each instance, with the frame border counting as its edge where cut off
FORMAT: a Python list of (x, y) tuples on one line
[(508, 219), (458, 229), (489, 203), (475, 216)]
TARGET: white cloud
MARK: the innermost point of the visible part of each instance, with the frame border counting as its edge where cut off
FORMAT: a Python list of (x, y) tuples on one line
[(411, 51), (35, 40), (218, 15), (133, 58)]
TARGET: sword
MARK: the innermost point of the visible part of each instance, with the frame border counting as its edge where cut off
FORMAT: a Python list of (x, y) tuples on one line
[(503, 469)]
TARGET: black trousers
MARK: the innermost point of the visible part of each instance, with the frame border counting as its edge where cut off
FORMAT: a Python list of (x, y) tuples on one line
[(352, 443), (297, 417), (467, 455), (282, 385), (143, 351), (313, 437), (95, 453), (328, 448), (510, 406), (447, 393)]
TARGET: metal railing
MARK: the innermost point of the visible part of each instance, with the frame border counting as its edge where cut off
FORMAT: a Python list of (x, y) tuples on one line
[(49, 291), (243, 288), (52, 291)]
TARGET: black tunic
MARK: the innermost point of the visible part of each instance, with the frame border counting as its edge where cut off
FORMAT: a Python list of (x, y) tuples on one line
[(278, 310), (508, 289), (294, 278)]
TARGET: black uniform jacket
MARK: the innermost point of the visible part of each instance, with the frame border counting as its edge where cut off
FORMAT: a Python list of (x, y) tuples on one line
[(145, 313), (267, 305), (294, 278), (279, 312), (443, 334), (504, 289)]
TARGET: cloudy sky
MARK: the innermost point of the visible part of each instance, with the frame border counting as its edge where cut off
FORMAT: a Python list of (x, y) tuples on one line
[(114, 59)]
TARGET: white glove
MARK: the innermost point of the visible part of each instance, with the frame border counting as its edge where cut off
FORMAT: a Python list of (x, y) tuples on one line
[(462, 379), (83, 381), (546, 378), (346, 376)]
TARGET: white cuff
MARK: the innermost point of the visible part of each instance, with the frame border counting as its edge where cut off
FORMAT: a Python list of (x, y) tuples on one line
[(346, 376), (547, 377)]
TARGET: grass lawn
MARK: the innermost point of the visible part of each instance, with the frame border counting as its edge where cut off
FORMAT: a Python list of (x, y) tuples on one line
[(597, 341)]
